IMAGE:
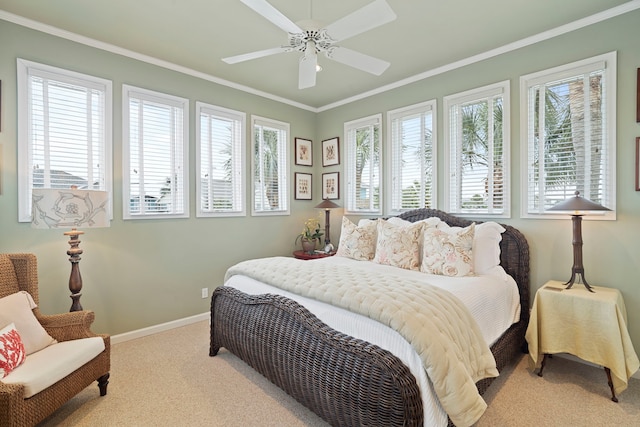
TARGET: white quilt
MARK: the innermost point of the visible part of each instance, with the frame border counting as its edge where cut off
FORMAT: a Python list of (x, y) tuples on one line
[(455, 388)]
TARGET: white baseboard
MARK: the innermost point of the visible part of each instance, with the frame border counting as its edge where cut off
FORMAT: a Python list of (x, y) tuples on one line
[(139, 333), (577, 359)]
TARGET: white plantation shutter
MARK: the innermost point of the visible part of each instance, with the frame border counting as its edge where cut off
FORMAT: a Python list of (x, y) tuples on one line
[(64, 131), (477, 164), (362, 160), (412, 148), (155, 154), (221, 154), (270, 167), (570, 128)]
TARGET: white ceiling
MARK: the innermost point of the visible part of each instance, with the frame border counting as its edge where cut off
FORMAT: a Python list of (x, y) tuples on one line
[(427, 37)]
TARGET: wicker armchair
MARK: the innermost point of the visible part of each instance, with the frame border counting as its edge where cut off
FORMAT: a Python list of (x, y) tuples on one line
[(15, 410)]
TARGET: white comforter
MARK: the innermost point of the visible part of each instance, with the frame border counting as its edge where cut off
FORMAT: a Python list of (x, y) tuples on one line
[(491, 299)]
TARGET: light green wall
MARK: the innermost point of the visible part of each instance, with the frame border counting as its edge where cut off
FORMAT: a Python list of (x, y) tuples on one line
[(611, 248), (141, 273)]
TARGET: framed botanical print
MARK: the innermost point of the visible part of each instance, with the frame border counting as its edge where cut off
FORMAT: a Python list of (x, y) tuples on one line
[(331, 185), (331, 152), (303, 153), (303, 186)]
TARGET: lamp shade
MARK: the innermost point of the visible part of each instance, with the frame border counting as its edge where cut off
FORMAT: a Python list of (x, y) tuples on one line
[(327, 204), (578, 204), (69, 208)]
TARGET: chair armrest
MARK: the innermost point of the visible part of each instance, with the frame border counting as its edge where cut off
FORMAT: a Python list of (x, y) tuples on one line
[(68, 326), (11, 396)]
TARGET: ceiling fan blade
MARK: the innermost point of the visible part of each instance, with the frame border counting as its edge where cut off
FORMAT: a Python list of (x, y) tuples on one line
[(358, 60), (307, 70), (368, 17), (253, 55), (272, 14)]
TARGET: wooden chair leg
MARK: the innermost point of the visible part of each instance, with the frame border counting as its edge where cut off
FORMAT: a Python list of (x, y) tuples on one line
[(103, 382), (544, 359)]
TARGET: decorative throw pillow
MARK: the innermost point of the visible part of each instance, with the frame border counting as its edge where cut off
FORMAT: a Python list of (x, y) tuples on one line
[(17, 308), (357, 242), (447, 252), (12, 352), (399, 245)]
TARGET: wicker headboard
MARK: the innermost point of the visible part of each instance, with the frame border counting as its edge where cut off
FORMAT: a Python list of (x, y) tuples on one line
[(514, 250)]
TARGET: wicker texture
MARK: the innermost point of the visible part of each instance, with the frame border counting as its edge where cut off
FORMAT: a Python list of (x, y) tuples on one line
[(346, 381), (14, 409)]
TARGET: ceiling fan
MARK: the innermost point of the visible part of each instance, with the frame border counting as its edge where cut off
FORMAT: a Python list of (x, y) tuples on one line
[(311, 40)]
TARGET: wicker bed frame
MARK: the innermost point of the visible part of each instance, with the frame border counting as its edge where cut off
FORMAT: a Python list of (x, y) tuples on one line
[(346, 381)]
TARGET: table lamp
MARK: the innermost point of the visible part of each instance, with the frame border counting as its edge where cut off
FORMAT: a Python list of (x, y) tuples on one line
[(70, 208), (579, 206), (327, 205)]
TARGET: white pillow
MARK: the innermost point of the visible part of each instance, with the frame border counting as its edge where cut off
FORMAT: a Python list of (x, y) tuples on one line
[(399, 245), (448, 251), (358, 242), (486, 246), (430, 222), (17, 309)]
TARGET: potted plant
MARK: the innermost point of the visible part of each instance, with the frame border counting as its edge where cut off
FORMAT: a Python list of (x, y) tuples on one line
[(310, 235)]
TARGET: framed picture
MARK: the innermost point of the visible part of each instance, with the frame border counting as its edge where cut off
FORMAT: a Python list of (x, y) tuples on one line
[(638, 163), (331, 152), (303, 186), (304, 156), (331, 185)]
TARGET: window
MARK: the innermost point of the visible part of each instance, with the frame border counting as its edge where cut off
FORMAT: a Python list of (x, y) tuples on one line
[(412, 147), (363, 165), (155, 155), (221, 153), (568, 126), (64, 131), (477, 155), (270, 167)]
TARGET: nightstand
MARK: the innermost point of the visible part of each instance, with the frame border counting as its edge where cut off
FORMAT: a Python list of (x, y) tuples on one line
[(315, 255), (589, 325)]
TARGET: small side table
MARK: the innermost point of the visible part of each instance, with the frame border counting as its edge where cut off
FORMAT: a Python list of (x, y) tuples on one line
[(315, 255), (591, 326)]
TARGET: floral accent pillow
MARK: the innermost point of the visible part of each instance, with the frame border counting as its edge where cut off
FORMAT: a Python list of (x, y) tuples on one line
[(399, 245), (12, 352), (448, 252), (357, 241)]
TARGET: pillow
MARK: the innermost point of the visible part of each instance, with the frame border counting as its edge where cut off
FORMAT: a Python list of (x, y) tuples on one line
[(12, 352), (357, 242), (430, 222), (16, 308), (486, 245), (447, 251), (398, 245), (8, 276)]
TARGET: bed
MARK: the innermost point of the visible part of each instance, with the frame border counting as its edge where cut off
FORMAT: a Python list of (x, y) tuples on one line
[(296, 341)]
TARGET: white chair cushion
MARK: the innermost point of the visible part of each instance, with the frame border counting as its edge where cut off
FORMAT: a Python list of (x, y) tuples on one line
[(18, 309), (51, 364)]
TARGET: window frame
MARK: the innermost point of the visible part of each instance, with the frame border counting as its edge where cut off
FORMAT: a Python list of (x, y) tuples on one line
[(238, 158), (469, 96), (608, 62), (400, 114), (284, 174), (25, 69), (350, 165), (128, 92)]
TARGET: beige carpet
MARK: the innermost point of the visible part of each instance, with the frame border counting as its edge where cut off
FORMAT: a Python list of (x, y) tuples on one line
[(168, 379)]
